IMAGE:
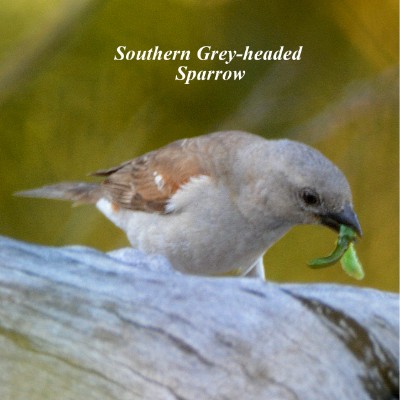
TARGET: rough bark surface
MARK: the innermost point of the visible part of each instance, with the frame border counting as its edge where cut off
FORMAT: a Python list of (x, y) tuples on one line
[(79, 324)]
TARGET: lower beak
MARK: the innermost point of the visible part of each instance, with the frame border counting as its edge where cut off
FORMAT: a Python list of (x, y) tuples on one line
[(345, 217)]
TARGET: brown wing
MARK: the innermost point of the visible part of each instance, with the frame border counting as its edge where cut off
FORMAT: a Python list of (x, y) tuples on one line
[(147, 183)]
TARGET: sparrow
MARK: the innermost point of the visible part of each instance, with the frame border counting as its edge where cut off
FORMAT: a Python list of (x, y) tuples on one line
[(216, 203)]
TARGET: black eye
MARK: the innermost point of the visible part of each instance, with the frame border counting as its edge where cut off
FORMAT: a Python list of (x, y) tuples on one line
[(309, 197)]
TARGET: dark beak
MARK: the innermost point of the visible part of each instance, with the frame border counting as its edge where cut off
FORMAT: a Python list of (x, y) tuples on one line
[(345, 217)]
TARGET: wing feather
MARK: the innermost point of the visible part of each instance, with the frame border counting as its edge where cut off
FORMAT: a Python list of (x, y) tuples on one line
[(148, 182)]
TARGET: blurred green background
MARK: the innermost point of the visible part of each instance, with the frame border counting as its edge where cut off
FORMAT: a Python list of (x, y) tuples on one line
[(67, 108)]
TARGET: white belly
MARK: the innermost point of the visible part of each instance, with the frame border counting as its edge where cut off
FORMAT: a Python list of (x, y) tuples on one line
[(204, 234)]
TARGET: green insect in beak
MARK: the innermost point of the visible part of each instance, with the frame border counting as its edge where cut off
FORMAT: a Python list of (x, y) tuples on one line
[(344, 252)]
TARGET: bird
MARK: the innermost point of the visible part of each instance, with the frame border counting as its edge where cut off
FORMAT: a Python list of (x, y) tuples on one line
[(215, 203)]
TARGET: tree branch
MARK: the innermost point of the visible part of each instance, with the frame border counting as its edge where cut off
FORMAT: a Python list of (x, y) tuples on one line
[(79, 324)]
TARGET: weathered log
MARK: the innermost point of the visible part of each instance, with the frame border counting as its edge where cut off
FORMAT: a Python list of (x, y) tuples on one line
[(76, 324)]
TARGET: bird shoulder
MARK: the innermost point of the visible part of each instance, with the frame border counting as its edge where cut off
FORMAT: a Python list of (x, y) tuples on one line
[(148, 182)]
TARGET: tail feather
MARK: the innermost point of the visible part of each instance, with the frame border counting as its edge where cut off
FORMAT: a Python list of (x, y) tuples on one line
[(78, 192)]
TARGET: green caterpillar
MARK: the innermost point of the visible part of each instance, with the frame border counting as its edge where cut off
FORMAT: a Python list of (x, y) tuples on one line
[(344, 252)]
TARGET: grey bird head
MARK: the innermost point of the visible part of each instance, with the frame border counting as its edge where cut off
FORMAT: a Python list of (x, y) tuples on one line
[(300, 186)]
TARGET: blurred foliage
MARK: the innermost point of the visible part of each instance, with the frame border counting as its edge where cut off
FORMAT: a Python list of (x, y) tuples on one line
[(67, 108)]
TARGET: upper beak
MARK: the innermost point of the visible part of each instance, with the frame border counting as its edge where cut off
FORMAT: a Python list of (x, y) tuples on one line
[(345, 217)]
